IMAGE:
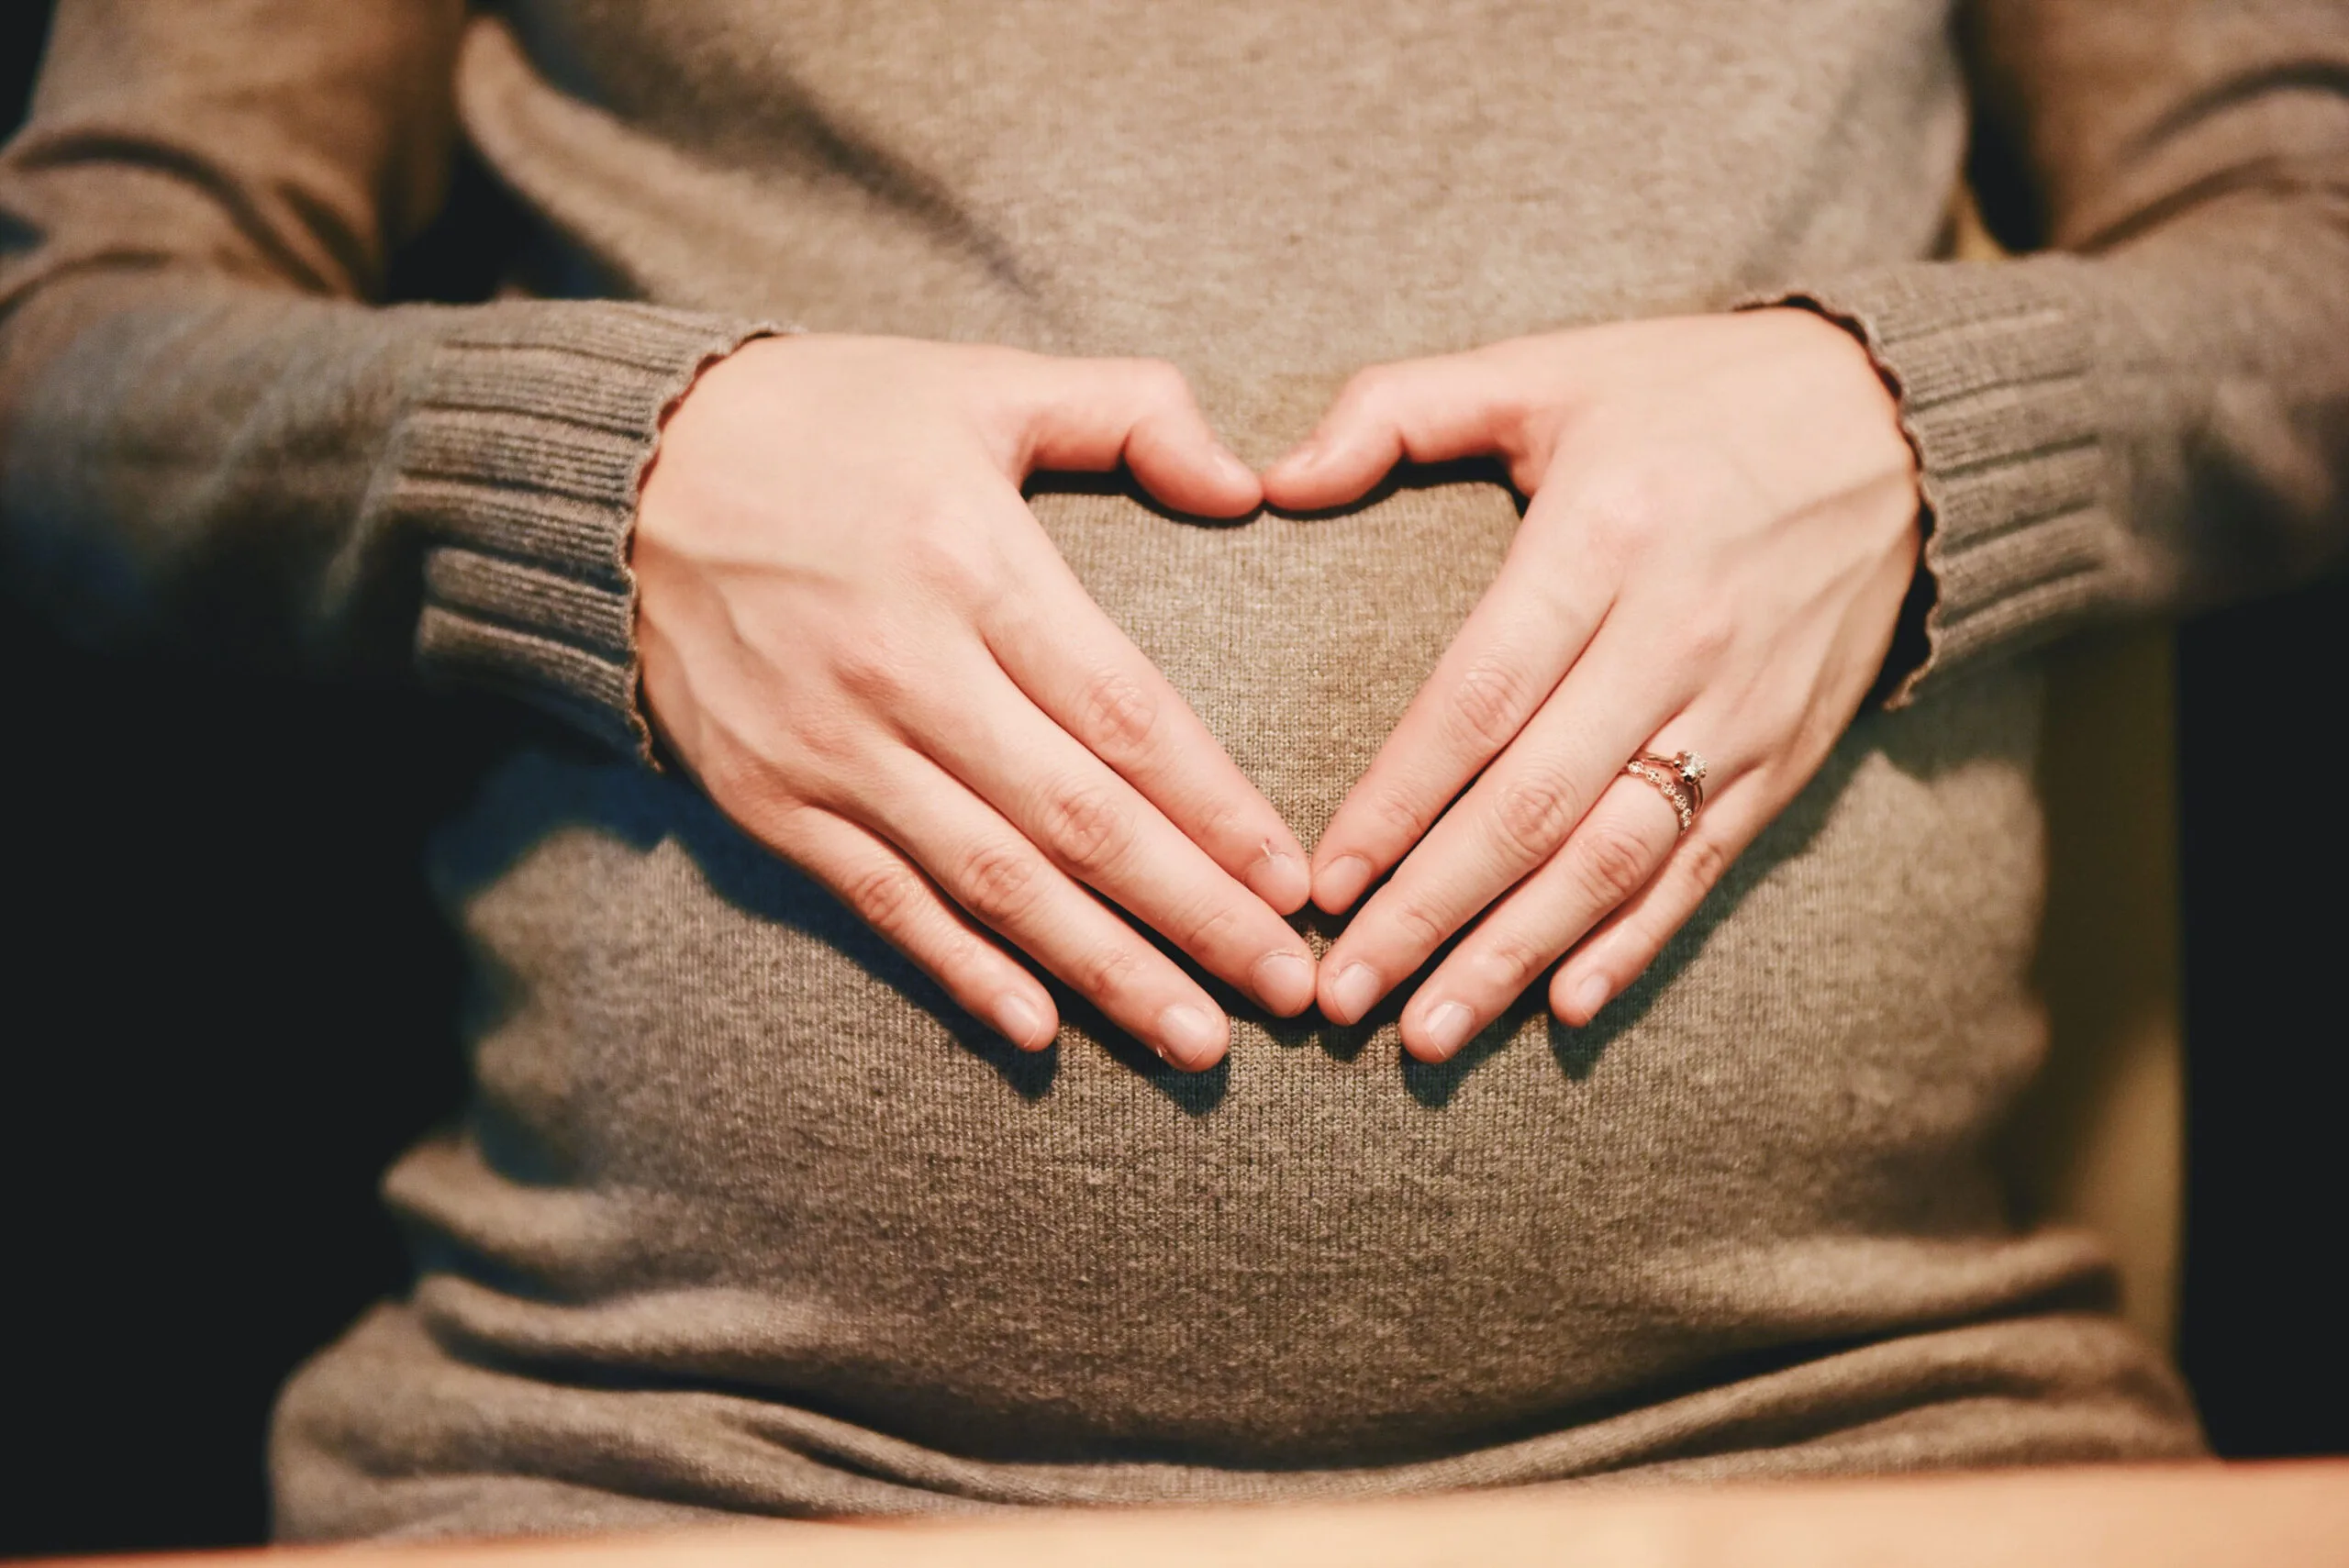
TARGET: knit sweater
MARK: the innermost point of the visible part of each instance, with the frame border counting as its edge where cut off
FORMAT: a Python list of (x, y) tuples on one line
[(744, 1216)]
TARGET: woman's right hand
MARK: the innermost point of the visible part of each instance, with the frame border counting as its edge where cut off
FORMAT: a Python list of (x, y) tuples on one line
[(860, 642)]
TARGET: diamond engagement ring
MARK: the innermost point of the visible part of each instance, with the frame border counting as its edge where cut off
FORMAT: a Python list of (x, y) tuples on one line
[(1679, 778)]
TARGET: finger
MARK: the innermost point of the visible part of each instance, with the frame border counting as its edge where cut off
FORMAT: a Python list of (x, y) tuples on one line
[(991, 869), (1608, 858), (883, 890), (1429, 410), (1511, 820), (1097, 827), (1091, 415), (1073, 664), (1506, 660), (1623, 946)]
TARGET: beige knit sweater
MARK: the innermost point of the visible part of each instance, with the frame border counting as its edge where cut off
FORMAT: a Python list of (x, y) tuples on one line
[(744, 1216)]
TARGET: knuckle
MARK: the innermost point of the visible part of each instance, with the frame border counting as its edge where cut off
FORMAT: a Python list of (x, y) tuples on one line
[(1420, 925), (966, 965), (997, 883), (1161, 381), (1368, 388), (1705, 859), (1220, 822), (1087, 824), (1508, 960), (1706, 631), (822, 735), (877, 670), (1519, 411), (1118, 713), (1108, 973), (1535, 812), (1612, 862), (1491, 702), (1205, 926), (1704, 644), (1627, 511), (953, 560), (836, 743), (745, 784), (763, 786), (888, 898), (1398, 812)]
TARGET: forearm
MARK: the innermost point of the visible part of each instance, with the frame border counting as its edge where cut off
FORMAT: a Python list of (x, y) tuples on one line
[(217, 465), (209, 437)]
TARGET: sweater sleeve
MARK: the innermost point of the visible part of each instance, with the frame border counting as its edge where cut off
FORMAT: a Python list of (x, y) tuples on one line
[(211, 439), (2150, 411)]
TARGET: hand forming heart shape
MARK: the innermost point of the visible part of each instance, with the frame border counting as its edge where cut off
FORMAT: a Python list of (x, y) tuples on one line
[(880, 668), (1723, 525)]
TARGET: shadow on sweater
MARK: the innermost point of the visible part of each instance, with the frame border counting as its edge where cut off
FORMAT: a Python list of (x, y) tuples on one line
[(554, 787), (549, 788)]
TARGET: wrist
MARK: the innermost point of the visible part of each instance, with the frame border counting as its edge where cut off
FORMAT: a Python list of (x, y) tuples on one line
[(1882, 424)]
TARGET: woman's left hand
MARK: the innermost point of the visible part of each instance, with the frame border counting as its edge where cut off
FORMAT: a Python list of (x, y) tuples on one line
[(1723, 523)]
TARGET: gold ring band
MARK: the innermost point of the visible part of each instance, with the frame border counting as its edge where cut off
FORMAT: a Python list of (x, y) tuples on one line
[(1679, 778)]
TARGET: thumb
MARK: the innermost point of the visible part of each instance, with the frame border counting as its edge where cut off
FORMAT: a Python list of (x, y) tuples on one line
[(1088, 415), (1429, 410)]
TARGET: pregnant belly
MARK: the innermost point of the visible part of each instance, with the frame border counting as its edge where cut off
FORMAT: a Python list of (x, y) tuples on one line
[(724, 1136)]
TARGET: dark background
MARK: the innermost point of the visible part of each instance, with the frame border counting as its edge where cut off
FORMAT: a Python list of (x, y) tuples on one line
[(226, 1004)]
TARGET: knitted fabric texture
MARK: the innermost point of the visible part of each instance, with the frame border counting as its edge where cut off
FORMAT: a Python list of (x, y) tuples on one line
[(745, 1217)]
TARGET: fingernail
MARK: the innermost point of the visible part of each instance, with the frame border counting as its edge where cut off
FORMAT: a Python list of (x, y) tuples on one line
[(1354, 991), (1281, 879), (1190, 1036), (1235, 472), (1447, 1028), (1590, 995), (1017, 1019), (1341, 882), (1285, 981)]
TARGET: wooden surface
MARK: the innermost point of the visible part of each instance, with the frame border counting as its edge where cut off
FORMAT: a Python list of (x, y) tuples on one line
[(2272, 1516)]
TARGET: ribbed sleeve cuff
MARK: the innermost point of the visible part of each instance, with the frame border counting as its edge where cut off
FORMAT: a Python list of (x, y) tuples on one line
[(1991, 364), (519, 463)]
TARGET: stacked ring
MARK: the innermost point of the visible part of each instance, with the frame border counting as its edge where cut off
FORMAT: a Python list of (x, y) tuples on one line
[(1679, 778)]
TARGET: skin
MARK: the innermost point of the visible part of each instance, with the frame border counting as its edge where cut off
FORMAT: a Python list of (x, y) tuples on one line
[(1722, 523), (859, 640)]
